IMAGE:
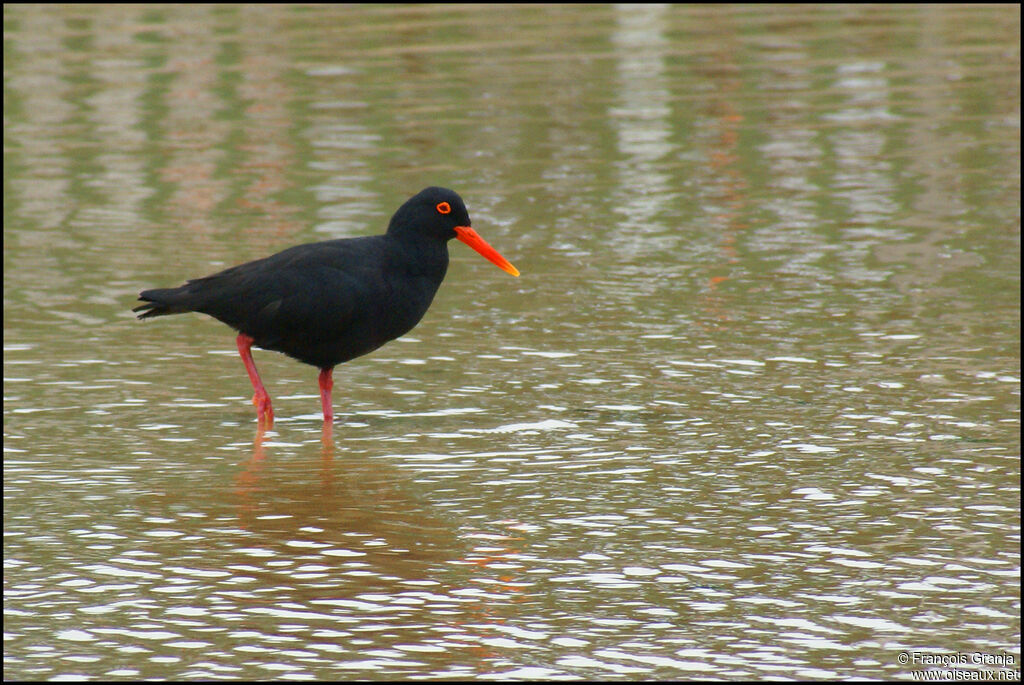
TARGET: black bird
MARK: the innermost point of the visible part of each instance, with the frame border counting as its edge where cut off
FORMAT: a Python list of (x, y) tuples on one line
[(328, 302)]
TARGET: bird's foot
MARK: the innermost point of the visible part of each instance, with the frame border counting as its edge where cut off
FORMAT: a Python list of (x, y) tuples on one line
[(264, 409)]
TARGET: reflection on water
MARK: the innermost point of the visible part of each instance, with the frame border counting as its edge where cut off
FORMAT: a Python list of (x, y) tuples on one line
[(751, 411)]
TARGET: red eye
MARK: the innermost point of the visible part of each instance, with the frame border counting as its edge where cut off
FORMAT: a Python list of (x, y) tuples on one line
[(444, 208)]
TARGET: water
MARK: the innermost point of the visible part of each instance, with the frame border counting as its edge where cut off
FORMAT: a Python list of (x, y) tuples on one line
[(751, 411)]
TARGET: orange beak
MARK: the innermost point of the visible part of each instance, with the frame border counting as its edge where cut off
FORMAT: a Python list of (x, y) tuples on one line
[(473, 239)]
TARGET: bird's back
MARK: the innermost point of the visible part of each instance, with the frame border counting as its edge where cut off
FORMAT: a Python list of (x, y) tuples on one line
[(321, 303)]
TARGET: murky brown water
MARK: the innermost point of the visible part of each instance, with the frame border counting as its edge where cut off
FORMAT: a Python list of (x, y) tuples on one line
[(751, 411)]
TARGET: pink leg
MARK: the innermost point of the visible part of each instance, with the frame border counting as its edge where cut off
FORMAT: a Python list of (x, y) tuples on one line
[(326, 383), (262, 398)]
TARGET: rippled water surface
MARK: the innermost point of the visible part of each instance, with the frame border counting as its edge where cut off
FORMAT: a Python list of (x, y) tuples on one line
[(752, 410)]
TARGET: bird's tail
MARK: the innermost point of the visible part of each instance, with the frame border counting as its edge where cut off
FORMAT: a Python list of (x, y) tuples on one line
[(161, 302)]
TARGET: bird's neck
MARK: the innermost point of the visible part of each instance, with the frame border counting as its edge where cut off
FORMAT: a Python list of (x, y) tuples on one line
[(421, 255)]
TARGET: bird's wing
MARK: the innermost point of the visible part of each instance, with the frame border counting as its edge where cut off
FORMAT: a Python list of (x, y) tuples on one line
[(300, 292)]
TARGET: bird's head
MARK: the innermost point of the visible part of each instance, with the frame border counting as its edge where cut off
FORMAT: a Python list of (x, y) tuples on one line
[(441, 214)]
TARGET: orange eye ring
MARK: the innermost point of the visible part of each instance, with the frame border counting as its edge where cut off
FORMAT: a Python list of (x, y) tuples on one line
[(444, 208)]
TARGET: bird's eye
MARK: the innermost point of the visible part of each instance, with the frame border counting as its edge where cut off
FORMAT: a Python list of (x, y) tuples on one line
[(444, 208)]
